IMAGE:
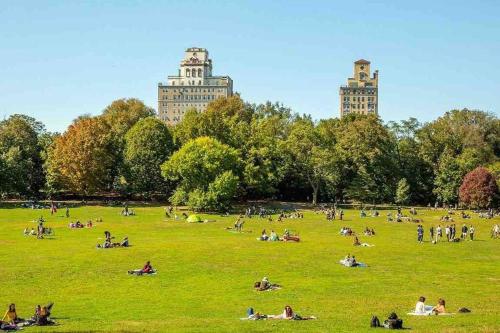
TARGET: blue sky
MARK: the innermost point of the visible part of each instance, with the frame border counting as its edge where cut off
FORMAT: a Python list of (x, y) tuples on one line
[(61, 59)]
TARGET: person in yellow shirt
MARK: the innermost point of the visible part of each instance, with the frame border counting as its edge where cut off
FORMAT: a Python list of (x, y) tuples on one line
[(11, 315)]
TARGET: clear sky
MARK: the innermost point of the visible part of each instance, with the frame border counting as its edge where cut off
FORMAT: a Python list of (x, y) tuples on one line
[(61, 59)]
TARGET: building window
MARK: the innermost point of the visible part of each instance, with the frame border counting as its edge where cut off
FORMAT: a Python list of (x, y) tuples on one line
[(188, 72), (199, 72)]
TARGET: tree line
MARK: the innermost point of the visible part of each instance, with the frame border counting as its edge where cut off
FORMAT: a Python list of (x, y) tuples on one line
[(237, 151)]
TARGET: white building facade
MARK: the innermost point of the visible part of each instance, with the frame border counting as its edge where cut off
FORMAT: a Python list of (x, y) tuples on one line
[(193, 87)]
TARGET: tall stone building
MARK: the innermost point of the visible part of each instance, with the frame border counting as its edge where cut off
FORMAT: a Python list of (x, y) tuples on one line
[(193, 87), (360, 95)]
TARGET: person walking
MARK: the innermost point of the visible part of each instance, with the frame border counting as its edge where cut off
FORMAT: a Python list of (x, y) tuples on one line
[(420, 234), (471, 232), (431, 231), (67, 211), (447, 231)]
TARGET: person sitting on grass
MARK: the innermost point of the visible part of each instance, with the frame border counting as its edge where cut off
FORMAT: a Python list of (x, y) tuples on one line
[(42, 315), (288, 314), (265, 285), (349, 261), (147, 269), (264, 236), (10, 316), (26, 231), (420, 306), (440, 307), (32, 232), (274, 236), (89, 224), (124, 242)]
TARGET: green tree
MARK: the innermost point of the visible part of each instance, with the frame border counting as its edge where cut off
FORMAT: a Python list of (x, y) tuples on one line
[(120, 116), (448, 179), (402, 192), (410, 163), (20, 153), (199, 169), (147, 145), (368, 151), (311, 155)]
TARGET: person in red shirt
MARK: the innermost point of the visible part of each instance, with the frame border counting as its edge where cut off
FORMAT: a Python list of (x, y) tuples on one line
[(147, 268)]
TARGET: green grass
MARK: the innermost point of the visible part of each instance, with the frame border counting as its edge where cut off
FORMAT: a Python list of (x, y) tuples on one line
[(206, 274)]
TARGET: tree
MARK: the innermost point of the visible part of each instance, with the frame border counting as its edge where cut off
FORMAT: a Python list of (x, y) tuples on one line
[(478, 189), (20, 153), (80, 159), (147, 145), (368, 151), (403, 192), (311, 155), (448, 178), (120, 116), (411, 165), (205, 171)]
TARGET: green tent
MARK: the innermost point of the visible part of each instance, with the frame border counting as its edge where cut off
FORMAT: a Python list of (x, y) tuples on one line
[(194, 218)]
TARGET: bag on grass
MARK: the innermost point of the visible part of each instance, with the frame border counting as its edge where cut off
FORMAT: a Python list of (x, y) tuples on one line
[(375, 322)]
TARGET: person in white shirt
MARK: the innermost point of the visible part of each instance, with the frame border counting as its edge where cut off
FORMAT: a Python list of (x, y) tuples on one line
[(420, 307), (439, 232), (447, 232)]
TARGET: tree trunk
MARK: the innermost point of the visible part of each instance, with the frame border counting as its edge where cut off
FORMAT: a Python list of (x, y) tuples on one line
[(315, 195)]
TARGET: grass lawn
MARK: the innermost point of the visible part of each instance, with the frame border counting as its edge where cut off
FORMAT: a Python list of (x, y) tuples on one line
[(205, 273)]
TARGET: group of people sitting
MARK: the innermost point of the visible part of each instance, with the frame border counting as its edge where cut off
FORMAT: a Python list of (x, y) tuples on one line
[(147, 269), (108, 243), (422, 310), (369, 232), (11, 321), (273, 237), (40, 231), (79, 224), (287, 314), (373, 213), (265, 285), (350, 261), (346, 231)]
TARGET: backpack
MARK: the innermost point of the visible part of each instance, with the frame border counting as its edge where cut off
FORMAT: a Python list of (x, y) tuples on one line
[(249, 312), (393, 322), (375, 322), (463, 310)]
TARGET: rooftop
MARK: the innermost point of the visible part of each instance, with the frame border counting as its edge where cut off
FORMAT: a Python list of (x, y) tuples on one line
[(362, 61)]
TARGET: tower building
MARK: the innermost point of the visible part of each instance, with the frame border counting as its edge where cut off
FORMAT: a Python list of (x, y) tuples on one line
[(360, 95), (193, 87)]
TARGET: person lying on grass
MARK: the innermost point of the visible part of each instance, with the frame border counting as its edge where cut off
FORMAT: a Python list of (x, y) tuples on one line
[(265, 285), (288, 314), (288, 237), (356, 242), (147, 269)]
